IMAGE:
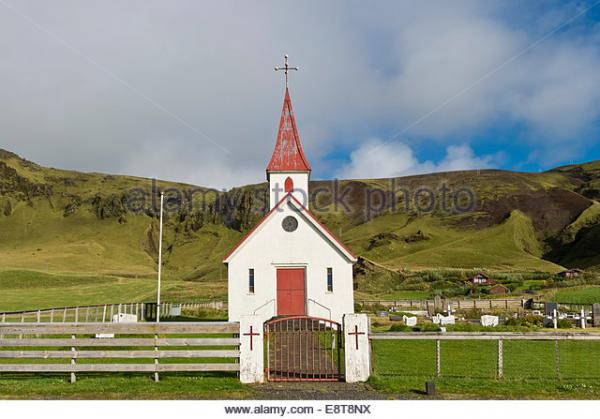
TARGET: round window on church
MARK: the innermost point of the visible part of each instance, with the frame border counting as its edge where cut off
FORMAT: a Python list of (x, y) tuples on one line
[(289, 224)]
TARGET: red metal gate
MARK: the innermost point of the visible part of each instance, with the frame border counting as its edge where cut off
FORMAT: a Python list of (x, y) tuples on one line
[(302, 348)]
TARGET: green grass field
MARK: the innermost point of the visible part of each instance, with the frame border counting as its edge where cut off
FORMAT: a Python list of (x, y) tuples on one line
[(120, 386), (469, 369), (577, 295), (32, 290)]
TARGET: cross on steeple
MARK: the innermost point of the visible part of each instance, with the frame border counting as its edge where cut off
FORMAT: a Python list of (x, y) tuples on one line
[(286, 68)]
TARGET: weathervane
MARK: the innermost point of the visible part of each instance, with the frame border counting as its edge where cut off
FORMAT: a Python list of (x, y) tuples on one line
[(286, 68)]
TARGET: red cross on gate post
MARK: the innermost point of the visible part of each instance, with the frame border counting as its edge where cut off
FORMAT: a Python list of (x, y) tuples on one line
[(251, 334), (356, 333)]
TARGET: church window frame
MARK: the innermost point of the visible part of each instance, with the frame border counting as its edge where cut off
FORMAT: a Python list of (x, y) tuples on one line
[(329, 279), (251, 287), (288, 185)]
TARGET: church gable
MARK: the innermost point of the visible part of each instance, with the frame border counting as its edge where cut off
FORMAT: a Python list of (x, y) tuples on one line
[(289, 215)]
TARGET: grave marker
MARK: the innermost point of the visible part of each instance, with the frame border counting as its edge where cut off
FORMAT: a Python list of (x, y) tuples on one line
[(596, 315)]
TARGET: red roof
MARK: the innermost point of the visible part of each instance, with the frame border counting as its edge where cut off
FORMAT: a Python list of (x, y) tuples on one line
[(288, 154), (334, 239)]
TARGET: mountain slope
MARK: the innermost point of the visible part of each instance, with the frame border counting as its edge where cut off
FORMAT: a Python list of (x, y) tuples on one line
[(87, 223)]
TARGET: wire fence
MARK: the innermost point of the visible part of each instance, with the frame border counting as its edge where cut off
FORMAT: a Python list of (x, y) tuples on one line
[(488, 356)]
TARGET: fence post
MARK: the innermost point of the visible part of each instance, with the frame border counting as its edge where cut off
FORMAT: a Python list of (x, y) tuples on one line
[(76, 314), (52, 316), (73, 376), (438, 360), (112, 311), (557, 359), (500, 358), (156, 359), (39, 316), (64, 315), (104, 314)]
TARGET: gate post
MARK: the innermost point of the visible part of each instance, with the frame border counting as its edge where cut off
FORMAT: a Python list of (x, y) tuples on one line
[(252, 363), (357, 348)]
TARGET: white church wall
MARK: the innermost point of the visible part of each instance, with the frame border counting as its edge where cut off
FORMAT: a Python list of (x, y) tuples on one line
[(277, 187), (269, 248)]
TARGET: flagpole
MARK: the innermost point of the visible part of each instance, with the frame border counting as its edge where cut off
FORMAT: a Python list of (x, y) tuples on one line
[(160, 239)]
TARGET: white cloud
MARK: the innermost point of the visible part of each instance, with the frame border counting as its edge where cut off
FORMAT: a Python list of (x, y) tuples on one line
[(365, 70), (377, 159)]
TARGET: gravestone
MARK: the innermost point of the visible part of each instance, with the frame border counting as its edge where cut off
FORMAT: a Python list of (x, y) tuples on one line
[(409, 321), (489, 321), (124, 318), (175, 310), (443, 320), (596, 315), (437, 303), (549, 308)]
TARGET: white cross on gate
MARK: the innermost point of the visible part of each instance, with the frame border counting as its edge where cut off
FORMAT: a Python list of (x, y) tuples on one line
[(356, 333), (251, 334)]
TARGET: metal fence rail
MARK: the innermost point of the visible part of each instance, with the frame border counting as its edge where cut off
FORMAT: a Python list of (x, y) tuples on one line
[(488, 355), (119, 347)]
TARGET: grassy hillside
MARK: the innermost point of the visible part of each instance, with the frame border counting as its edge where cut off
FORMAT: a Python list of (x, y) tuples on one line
[(102, 230)]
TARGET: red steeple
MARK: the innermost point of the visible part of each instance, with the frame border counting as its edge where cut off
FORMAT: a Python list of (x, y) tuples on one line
[(288, 154)]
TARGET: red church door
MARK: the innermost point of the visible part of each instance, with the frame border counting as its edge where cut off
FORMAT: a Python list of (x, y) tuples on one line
[(290, 292)]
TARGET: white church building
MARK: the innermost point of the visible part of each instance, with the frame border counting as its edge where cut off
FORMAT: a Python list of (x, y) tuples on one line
[(289, 264)]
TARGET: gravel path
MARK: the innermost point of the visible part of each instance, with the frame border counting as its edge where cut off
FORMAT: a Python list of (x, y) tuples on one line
[(316, 391)]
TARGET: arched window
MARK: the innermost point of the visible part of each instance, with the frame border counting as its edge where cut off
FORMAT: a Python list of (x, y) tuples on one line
[(289, 184)]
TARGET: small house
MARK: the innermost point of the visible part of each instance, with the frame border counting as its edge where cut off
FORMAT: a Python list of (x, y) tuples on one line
[(571, 273), (480, 279), (499, 289)]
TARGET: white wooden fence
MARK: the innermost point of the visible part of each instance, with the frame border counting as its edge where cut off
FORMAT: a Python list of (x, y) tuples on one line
[(132, 347), (100, 313)]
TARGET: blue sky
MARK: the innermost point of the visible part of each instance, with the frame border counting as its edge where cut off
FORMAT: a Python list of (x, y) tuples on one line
[(185, 90)]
